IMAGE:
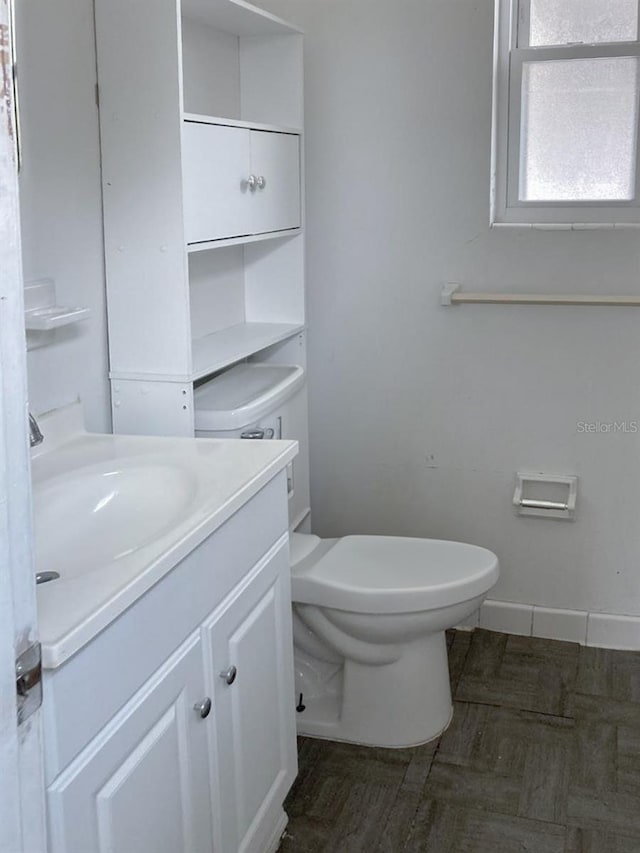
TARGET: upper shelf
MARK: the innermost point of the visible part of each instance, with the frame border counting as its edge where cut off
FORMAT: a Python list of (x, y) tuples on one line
[(241, 241), (237, 17), (249, 125)]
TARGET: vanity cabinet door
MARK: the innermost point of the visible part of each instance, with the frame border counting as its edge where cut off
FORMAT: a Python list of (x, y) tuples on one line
[(250, 655), (216, 166), (275, 160), (142, 786)]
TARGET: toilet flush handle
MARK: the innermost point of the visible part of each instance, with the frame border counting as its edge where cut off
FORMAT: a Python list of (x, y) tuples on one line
[(257, 434)]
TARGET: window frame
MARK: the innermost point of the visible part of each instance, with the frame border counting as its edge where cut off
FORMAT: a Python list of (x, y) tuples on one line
[(511, 51)]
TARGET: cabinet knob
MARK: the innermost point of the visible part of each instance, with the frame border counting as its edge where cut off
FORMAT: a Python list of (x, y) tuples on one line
[(229, 675), (261, 182), (252, 182), (203, 708)]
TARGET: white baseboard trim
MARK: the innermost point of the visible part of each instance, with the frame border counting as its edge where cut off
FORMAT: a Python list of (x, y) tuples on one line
[(506, 617), (607, 631), (556, 624), (603, 630)]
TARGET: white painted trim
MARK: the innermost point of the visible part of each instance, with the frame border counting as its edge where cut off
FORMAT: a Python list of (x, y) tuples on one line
[(568, 226), (506, 617), (22, 815), (608, 631), (511, 51), (602, 630), (557, 624)]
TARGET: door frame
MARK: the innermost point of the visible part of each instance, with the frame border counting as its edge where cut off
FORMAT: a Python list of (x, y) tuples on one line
[(22, 811)]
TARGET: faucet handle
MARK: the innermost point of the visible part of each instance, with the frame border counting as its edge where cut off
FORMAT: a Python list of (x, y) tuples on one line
[(35, 436)]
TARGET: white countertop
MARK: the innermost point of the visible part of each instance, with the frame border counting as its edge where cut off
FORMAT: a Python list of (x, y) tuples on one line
[(222, 475)]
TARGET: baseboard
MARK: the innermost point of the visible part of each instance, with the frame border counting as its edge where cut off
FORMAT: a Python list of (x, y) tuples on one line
[(613, 632), (603, 630), (278, 831)]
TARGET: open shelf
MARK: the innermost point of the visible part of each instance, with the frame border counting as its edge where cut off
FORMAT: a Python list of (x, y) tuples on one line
[(221, 349), (237, 241), (237, 17), (232, 122), (217, 96)]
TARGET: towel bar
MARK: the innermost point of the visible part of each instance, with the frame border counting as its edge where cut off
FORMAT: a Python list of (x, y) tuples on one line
[(452, 295)]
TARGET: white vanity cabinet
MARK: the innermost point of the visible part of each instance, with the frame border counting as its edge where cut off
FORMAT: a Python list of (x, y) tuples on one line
[(253, 700), (144, 784), (238, 181), (173, 730)]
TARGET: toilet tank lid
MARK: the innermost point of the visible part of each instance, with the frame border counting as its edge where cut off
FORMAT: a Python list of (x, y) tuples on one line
[(237, 397)]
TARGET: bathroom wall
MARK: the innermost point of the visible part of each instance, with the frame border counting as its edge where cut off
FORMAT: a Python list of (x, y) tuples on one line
[(421, 415), (60, 199)]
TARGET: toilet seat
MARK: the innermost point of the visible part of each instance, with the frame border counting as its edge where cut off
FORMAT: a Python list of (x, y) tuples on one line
[(388, 574)]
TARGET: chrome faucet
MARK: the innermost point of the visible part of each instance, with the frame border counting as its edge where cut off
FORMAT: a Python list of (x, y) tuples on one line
[(35, 436)]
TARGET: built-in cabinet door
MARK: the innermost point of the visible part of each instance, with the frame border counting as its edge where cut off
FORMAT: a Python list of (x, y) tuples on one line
[(275, 161), (142, 786), (249, 650), (217, 196), (239, 182)]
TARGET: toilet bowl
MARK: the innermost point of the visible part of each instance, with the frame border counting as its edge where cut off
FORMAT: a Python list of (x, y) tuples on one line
[(369, 617)]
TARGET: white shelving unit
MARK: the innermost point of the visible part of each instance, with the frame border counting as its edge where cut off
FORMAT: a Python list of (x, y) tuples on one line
[(228, 75)]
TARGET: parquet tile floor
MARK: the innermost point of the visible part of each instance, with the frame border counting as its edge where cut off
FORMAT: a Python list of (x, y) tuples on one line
[(542, 756)]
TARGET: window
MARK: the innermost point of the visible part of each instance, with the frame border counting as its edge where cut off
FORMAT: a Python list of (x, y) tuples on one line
[(565, 128)]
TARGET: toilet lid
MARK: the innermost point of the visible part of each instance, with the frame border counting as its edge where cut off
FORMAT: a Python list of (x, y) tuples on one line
[(388, 574)]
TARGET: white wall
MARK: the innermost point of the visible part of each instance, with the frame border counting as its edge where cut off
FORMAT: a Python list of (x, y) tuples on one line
[(60, 199), (420, 415)]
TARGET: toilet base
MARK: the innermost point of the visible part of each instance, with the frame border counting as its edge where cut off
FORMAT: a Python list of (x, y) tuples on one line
[(400, 704)]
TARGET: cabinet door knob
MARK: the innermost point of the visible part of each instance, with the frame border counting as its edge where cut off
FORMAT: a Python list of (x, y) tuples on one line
[(261, 182), (229, 675), (203, 708), (252, 182)]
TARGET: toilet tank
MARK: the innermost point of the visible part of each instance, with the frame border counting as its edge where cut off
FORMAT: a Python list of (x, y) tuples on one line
[(256, 401)]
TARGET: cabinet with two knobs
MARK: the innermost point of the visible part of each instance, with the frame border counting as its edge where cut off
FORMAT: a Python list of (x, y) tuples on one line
[(195, 750)]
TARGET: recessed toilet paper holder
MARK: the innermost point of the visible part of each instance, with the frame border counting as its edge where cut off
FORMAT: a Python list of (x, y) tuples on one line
[(546, 496)]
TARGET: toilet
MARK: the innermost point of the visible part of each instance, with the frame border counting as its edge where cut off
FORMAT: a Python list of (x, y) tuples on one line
[(369, 617), (369, 612)]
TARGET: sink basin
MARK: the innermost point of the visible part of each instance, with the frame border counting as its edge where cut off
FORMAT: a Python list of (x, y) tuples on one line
[(113, 514), (93, 518)]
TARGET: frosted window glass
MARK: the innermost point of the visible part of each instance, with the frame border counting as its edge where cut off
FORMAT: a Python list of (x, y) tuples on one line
[(578, 135), (571, 21)]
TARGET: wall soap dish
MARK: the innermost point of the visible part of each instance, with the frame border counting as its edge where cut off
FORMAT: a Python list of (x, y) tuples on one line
[(41, 312), (546, 496)]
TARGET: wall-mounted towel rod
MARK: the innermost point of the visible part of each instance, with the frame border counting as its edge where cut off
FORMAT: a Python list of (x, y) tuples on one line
[(452, 295)]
